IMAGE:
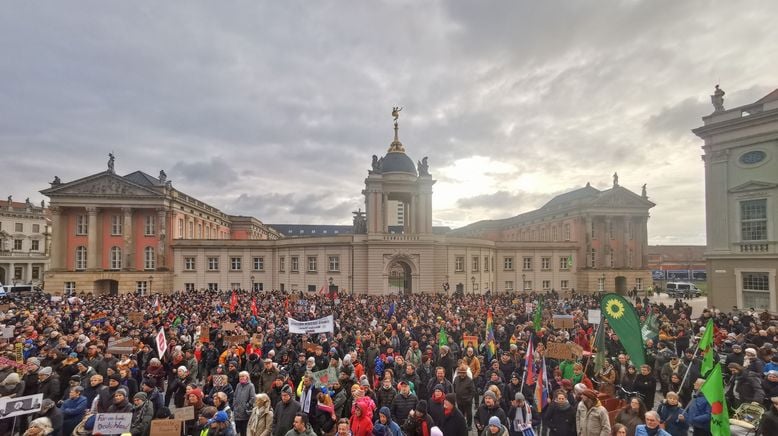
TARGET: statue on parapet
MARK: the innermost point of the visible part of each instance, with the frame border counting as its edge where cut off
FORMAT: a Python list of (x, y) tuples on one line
[(615, 179), (111, 160), (717, 99), (423, 167)]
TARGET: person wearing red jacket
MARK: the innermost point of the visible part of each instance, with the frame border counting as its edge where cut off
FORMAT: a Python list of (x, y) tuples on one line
[(361, 424)]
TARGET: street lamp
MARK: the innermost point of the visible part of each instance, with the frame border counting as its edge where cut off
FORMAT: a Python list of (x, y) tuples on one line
[(252, 284), (151, 280), (472, 279)]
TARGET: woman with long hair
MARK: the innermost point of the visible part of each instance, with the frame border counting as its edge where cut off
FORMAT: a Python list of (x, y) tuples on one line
[(632, 415)]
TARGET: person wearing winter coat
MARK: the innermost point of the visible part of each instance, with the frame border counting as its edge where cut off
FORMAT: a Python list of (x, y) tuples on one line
[(745, 387), (559, 418), (465, 391), (300, 426), (361, 424), (403, 403), (12, 386), (50, 411), (73, 410), (385, 419), (385, 394), (453, 422), (699, 410), (261, 420), (645, 385), (488, 409), (520, 417), (651, 427), (435, 404), (594, 419), (419, 422), (177, 386), (671, 415), (267, 376), (495, 428), (48, 383), (142, 414), (243, 402), (120, 402), (284, 412)]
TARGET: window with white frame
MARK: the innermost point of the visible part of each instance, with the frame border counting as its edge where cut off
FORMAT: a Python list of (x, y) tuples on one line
[(509, 286), (610, 230), (36, 228), (600, 284), (295, 264), (236, 263), (756, 290), (189, 287), (259, 287), (116, 258), (213, 263), (213, 286), (507, 263), (476, 261), (554, 235), (141, 287), (564, 284), (527, 264), (639, 284), (82, 225), (190, 230), (753, 220), (80, 258), (545, 263), (564, 262), (334, 263), (259, 263), (181, 228), (149, 258), (630, 258), (312, 263), (594, 234), (235, 286), (567, 232), (527, 285), (459, 263), (148, 227), (546, 284), (19, 227), (190, 263), (282, 263), (116, 224), (18, 244), (593, 258), (70, 288), (486, 263)]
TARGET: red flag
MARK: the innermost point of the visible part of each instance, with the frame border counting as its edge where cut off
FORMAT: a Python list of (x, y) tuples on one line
[(286, 305), (254, 306), (321, 291), (529, 364), (233, 301)]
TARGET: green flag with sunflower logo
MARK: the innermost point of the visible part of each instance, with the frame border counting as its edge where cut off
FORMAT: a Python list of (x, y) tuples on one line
[(623, 319)]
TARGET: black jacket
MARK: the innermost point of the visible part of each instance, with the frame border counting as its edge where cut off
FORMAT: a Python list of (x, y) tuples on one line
[(560, 422), (402, 405), (453, 424)]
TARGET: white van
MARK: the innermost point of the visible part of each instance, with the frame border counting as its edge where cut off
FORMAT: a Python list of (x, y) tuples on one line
[(682, 289)]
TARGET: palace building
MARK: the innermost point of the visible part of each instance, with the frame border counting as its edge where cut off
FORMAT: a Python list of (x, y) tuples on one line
[(137, 233)]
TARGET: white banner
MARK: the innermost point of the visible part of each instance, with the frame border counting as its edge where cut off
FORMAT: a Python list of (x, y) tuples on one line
[(594, 316), (20, 405), (321, 325), (112, 423)]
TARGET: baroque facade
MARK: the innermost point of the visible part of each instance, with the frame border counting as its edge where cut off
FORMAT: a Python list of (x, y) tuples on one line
[(587, 240), (741, 202), (24, 242)]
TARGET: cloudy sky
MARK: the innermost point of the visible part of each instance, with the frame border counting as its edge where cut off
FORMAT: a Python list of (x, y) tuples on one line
[(275, 109)]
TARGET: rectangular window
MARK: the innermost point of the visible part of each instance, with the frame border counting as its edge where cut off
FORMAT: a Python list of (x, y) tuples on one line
[(507, 263), (190, 230), (258, 287), (756, 290), (295, 264), (630, 258), (753, 220), (235, 286), (213, 263), (116, 258), (36, 228), (594, 234), (17, 273), (554, 235), (334, 263), (189, 263), (70, 288), (312, 263), (639, 284), (116, 224), (486, 263), (459, 264), (35, 245), (213, 286), (36, 272), (282, 263), (528, 285), (141, 287), (17, 244), (19, 227), (236, 263), (567, 232), (80, 259), (181, 228), (527, 264), (564, 284), (311, 288), (259, 263), (600, 284), (610, 230), (148, 228), (564, 262), (546, 284), (476, 260), (189, 287), (545, 263), (593, 258), (82, 225), (149, 258), (508, 286)]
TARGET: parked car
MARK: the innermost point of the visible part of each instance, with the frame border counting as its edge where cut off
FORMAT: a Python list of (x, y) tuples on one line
[(682, 289)]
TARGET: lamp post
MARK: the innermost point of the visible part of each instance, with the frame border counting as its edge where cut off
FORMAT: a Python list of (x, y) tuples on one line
[(151, 281), (252, 284), (472, 280), (523, 282)]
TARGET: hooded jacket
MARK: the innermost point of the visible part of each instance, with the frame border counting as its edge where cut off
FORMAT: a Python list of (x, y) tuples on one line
[(261, 420)]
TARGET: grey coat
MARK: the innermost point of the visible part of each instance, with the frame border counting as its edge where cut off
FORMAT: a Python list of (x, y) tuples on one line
[(243, 401)]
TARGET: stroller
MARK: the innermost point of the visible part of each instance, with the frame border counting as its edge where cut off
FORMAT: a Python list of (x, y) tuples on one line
[(745, 419)]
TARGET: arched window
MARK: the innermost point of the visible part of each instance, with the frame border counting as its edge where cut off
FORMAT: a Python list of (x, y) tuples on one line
[(149, 258), (116, 258), (80, 258)]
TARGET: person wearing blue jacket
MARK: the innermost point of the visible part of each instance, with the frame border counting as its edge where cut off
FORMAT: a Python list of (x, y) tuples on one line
[(73, 410), (698, 415), (670, 415), (385, 419)]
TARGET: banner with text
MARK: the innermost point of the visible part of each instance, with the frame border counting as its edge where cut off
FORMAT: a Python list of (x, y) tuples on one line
[(321, 325)]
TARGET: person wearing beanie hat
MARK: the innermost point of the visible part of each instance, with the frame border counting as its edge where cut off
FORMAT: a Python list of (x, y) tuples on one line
[(465, 392), (142, 414), (495, 427), (285, 411), (419, 421), (452, 422), (48, 384), (488, 409), (121, 403)]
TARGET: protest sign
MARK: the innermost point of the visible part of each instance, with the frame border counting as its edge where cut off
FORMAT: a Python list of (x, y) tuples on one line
[(161, 343), (229, 326), (8, 333), (561, 351), (9, 362), (55, 299), (112, 423), (121, 346), (4, 307), (185, 413), (325, 377), (135, 317), (166, 427), (10, 407), (310, 347), (470, 341), (594, 316), (205, 333), (563, 321), (321, 325), (235, 339)]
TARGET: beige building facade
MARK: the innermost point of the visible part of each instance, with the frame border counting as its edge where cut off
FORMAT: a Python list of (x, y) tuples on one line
[(741, 197), (24, 242)]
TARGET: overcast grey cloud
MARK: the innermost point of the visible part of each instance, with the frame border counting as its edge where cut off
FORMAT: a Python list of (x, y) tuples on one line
[(274, 109)]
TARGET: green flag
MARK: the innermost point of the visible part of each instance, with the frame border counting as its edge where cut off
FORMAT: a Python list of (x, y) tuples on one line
[(537, 321), (706, 345), (713, 389), (623, 319), (649, 330)]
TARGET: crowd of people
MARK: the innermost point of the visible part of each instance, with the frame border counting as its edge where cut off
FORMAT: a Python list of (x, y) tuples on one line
[(399, 365)]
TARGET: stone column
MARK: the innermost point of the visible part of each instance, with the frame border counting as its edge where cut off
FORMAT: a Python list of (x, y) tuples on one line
[(58, 231), (28, 273), (385, 212), (642, 251), (129, 242), (414, 212), (11, 273), (162, 235), (92, 254), (626, 221)]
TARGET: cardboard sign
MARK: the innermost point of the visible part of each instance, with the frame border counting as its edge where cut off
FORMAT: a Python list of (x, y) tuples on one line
[(185, 413), (135, 317), (166, 427), (310, 346), (470, 341), (561, 351), (121, 346), (205, 333), (563, 321), (112, 423), (325, 377), (7, 333), (235, 339), (594, 316), (161, 343), (229, 327), (10, 407)]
